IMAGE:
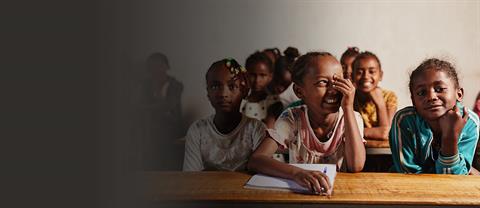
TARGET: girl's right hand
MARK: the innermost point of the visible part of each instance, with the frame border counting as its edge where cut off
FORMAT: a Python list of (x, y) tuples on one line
[(316, 181)]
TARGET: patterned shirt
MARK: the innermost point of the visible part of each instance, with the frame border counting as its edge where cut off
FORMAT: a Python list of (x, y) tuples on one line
[(293, 131), (368, 110), (208, 149)]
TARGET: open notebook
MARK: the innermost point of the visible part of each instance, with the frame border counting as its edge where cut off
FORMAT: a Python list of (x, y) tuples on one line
[(260, 181)]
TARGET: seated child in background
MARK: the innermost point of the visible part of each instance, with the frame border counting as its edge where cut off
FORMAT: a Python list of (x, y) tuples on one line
[(282, 84), (259, 103), (437, 134), (347, 59), (376, 105), (324, 129), (225, 140)]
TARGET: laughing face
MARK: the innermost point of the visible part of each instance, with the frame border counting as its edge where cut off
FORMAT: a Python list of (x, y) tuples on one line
[(434, 93), (316, 90), (367, 74)]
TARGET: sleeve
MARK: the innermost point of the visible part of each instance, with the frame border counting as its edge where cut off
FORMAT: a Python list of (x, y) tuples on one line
[(284, 129), (391, 100), (193, 158), (461, 163), (402, 144), (259, 132), (359, 119)]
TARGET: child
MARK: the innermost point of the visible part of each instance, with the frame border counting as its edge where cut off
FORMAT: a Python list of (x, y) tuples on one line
[(376, 105), (437, 134), (223, 141), (282, 84), (347, 59), (260, 104), (476, 158), (273, 54), (318, 131)]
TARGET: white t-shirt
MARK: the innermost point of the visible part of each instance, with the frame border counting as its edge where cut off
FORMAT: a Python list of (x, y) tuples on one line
[(258, 110), (293, 131), (208, 149), (288, 96)]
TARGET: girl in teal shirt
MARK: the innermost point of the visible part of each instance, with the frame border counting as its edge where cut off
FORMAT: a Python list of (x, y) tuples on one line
[(437, 134)]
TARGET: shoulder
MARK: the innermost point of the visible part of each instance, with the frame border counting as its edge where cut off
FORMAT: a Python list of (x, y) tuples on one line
[(473, 119), (388, 95), (407, 114), (174, 83), (293, 111), (200, 124)]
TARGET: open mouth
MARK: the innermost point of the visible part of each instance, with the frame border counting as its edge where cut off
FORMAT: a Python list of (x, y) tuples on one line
[(332, 100)]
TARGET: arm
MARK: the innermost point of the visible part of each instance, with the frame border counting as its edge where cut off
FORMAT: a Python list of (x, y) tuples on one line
[(261, 161), (385, 111), (354, 148), (459, 139), (193, 158), (402, 143)]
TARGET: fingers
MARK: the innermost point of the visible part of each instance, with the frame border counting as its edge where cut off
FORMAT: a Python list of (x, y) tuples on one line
[(320, 182)]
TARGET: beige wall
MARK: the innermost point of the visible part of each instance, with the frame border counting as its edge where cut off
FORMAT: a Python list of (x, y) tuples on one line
[(196, 33)]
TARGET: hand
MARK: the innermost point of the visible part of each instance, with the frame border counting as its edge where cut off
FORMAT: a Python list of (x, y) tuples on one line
[(316, 181), (377, 96), (451, 123), (344, 86)]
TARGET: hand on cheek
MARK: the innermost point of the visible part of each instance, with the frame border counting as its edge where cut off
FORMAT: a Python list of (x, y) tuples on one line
[(451, 125), (344, 86)]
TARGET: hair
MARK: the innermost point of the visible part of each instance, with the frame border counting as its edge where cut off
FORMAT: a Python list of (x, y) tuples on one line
[(365, 55), (350, 52), (475, 109), (291, 53), (437, 65), (276, 52), (259, 57), (160, 57), (301, 65), (235, 69)]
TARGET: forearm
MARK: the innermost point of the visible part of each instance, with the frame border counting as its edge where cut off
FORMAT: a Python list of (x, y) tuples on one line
[(267, 165), (354, 147), (382, 115), (376, 133)]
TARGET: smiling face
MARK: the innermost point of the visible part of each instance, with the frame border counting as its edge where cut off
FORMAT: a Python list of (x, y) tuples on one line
[(367, 74), (316, 90), (224, 93), (434, 93), (347, 66)]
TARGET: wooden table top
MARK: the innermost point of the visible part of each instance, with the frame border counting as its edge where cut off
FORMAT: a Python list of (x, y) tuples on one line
[(349, 188)]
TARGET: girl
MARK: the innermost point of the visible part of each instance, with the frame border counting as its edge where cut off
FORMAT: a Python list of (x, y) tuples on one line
[(282, 84), (324, 129), (225, 140), (260, 104), (437, 134), (347, 59), (376, 105)]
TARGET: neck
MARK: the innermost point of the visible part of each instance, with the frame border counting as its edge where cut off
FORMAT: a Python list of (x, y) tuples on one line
[(256, 96), (227, 121), (322, 121)]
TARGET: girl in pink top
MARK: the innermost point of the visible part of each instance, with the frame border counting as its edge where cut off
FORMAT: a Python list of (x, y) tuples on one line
[(324, 128)]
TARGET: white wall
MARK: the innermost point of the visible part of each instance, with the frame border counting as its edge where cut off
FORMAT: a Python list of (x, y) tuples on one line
[(195, 33)]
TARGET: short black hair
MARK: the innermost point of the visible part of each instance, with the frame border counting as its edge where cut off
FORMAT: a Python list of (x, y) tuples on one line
[(365, 55), (259, 57), (437, 65)]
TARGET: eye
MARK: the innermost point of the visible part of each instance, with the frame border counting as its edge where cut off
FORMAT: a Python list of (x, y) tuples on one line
[(214, 87), (421, 92), (440, 89), (321, 83), (233, 86)]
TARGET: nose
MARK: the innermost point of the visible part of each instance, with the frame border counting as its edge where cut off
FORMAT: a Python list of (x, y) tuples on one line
[(431, 95), (223, 93)]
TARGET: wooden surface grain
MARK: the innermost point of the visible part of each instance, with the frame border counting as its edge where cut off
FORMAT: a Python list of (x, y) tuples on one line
[(349, 188)]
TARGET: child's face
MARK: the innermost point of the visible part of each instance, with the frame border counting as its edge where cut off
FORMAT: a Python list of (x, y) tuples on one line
[(316, 90), (259, 76), (367, 75), (224, 94), (434, 93), (347, 67)]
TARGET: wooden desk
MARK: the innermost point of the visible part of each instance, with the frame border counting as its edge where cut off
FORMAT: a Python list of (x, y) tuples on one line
[(351, 189)]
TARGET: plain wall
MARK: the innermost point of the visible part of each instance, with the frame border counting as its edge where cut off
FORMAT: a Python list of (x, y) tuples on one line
[(193, 34)]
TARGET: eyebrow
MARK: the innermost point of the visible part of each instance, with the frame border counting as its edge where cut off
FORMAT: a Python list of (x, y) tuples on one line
[(437, 82)]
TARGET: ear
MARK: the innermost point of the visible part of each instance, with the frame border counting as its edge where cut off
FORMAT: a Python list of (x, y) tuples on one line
[(460, 94), (298, 91), (381, 75), (413, 101)]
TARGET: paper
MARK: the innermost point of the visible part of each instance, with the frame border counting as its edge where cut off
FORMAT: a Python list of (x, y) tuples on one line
[(260, 181)]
